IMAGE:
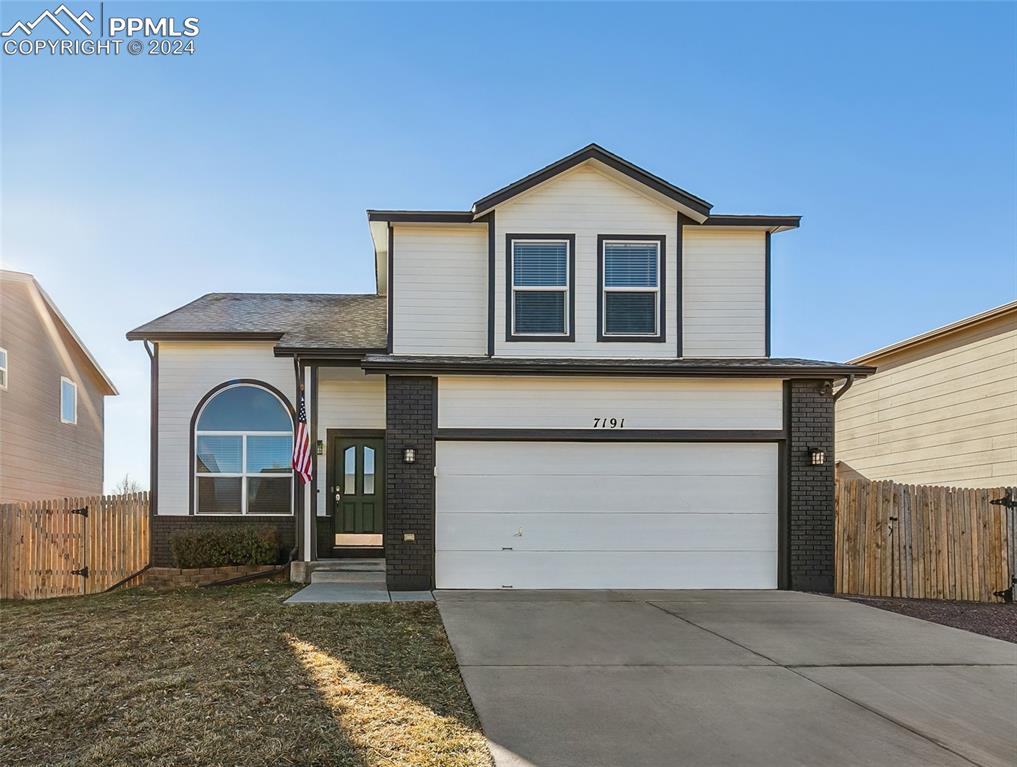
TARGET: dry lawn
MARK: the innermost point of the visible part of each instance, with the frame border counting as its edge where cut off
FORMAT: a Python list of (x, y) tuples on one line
[(230, 676)]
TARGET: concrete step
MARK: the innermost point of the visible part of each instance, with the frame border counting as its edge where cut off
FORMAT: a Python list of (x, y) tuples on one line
[(349, 565), (348, 576)]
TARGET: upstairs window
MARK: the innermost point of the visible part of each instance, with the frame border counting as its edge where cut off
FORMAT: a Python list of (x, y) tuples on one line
[(243, 448), (68, 401), (631, 276), (540, 287), (3, 368)]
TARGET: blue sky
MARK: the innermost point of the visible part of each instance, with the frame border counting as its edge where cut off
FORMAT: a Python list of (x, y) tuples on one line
[(131, 185)]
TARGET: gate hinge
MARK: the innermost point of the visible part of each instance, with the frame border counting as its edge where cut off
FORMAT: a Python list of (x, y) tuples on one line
[(83, 572), (1007, 500), (83, 511)]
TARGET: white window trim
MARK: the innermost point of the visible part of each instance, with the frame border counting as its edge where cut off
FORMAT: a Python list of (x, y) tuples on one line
[(629, 289), (564, 289), (243, 475), (6, 368), (74, 387)]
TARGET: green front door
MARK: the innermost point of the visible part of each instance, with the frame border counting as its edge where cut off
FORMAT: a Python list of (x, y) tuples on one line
[(358, 493)]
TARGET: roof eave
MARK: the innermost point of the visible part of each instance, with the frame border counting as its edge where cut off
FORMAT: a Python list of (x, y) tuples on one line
[(111, 388), (422, 216), (140, 334), (772, 224), (549, 367), (329, 352), (941, 332)]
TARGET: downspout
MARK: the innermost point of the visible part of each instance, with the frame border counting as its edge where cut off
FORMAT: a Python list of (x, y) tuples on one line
[(153, 428), (847, 385)]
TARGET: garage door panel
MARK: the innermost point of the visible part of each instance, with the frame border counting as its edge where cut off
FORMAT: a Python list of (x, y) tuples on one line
[(558, 531), (606, 570), (606, 515), (604, 458), (647, 493)]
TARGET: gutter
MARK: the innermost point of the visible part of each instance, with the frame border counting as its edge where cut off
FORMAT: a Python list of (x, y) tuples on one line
[(537, 368)]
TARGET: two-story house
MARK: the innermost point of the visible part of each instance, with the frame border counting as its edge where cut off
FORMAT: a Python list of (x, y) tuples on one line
[(52, 399), (568, 385)]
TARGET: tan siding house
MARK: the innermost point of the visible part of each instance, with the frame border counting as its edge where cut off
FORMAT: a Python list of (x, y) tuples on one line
[(51, 399), (941, 409)]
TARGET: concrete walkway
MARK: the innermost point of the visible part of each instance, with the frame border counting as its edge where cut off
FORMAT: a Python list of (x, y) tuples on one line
[(352, 593), (725, 677), (352, 581)]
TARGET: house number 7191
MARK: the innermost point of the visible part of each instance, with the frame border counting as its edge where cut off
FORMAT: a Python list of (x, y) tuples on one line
[(608, 423)]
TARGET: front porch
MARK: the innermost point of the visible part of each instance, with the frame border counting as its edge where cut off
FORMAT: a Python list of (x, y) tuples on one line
[(347, 581), (367, 515)]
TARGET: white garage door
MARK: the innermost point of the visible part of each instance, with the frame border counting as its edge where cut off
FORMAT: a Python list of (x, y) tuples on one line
[(575, 515)]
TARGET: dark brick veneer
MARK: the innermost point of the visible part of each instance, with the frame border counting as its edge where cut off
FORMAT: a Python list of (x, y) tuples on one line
[(165, 527), (409, 487), (810, 488)]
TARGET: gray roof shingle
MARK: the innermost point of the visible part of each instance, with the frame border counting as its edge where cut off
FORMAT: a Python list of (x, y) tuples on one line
[(295, 320)]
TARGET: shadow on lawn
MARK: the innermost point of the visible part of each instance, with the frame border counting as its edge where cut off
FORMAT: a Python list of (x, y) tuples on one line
[(390, 679), (231, 676), (398, 649)]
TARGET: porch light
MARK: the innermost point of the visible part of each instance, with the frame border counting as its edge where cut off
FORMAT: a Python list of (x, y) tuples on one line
[(818, 456), (319, 447), (409, 455)]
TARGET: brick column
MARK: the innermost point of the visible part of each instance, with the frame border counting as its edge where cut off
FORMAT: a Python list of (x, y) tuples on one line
[(411, 419), (811, 488)]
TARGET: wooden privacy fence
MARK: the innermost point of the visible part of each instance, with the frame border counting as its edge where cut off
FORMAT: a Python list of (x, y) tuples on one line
[(923, 541), (71, 546)]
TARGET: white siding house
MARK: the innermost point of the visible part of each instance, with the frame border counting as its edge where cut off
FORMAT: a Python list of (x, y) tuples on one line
[(566, 386)]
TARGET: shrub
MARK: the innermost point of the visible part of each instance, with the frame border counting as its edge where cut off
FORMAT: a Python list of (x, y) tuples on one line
[(225, 546)]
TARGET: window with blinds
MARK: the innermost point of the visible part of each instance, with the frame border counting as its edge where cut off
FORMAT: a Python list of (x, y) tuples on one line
[(540, 280), (631, 289)]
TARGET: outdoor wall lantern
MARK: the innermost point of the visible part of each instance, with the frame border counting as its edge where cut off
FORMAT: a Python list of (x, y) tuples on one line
[(818, 456), (319, 447), (409, 455)]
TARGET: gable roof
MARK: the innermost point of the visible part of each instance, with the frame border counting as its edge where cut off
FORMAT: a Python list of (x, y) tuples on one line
[(298, 322), (936, 333), (699, 207), (696, 208), (24, 277)]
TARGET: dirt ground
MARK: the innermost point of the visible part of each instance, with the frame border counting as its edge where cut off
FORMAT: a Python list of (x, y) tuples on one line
[(997, 620)]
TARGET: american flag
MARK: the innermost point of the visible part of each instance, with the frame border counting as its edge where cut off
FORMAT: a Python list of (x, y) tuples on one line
[(302, 444)]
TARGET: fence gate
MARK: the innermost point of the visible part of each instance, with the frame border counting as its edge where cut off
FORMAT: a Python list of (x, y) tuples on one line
[(923, 541), (71, 546)]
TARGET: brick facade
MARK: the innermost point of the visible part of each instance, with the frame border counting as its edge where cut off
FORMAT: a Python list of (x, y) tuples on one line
[(163, 528), (411, 404), (810, 488)]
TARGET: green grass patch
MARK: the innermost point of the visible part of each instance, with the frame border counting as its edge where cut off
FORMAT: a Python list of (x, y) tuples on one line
[(230, 676)]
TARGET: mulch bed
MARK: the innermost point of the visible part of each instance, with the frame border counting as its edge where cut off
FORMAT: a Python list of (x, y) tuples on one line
[(998, 620), (230, 676)]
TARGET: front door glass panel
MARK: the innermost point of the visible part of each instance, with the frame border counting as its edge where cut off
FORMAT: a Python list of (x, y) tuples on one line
[(358, 508)]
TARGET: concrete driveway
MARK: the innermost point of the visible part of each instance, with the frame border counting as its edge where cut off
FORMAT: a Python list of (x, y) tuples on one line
[(663, 678)]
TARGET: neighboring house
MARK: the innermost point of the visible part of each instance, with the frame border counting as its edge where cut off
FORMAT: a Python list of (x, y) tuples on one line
[(941, 408), (566, 386), (51, 399)]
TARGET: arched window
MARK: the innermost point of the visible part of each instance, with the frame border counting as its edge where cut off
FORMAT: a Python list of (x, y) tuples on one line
[(243, 446)]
